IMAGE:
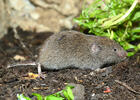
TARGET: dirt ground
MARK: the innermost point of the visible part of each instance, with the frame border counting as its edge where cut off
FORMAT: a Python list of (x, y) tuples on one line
[(13, 82)]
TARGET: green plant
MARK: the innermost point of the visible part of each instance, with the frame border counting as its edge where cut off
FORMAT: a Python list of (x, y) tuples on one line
[(65, 94), (116, 19), (22, 97)]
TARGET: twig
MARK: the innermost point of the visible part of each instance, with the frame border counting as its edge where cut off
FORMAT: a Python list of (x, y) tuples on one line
[(126, 86), (3, 52), (21, 42)]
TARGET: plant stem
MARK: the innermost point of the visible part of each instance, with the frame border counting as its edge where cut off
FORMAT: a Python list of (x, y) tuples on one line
[(127, 13)]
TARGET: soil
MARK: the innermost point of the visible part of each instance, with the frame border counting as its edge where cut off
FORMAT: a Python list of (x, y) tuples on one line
[(13, 82)]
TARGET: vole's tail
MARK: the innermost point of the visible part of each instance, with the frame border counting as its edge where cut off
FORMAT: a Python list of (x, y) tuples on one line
[(21, 64)]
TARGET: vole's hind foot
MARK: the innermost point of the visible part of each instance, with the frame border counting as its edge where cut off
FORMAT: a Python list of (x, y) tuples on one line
[(41, 75)]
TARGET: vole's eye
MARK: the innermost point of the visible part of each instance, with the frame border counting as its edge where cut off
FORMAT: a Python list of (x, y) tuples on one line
[(115, 49)]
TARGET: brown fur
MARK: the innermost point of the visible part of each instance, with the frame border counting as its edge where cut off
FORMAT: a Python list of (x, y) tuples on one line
[(75, 49)]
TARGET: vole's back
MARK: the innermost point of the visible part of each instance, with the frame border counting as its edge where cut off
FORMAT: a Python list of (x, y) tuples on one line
[(65, 49)]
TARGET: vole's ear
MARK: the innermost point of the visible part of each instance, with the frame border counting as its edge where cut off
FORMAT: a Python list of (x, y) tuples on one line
[(95, 48)]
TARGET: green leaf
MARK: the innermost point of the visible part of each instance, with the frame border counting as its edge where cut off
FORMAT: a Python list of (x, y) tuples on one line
[(138, 46), (136, 30), (129, 46), (51, 97), (68, 93), (135, 37), (136, 16), (130, 53), (39, 97), (22, 97)]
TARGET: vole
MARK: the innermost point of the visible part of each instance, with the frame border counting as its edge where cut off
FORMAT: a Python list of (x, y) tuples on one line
[(75, 49)]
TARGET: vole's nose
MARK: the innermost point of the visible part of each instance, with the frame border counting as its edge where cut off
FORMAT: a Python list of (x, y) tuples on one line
[(125, 54), (122, 54)]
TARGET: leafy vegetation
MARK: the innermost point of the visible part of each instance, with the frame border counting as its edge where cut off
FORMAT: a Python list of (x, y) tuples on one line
[(116, 19), (65, 94)]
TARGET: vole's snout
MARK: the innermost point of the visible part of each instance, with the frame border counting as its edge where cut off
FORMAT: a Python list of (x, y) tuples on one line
[(122, 54)]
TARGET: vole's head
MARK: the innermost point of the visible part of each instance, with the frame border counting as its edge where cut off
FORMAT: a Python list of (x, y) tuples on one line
[(108, 51)]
